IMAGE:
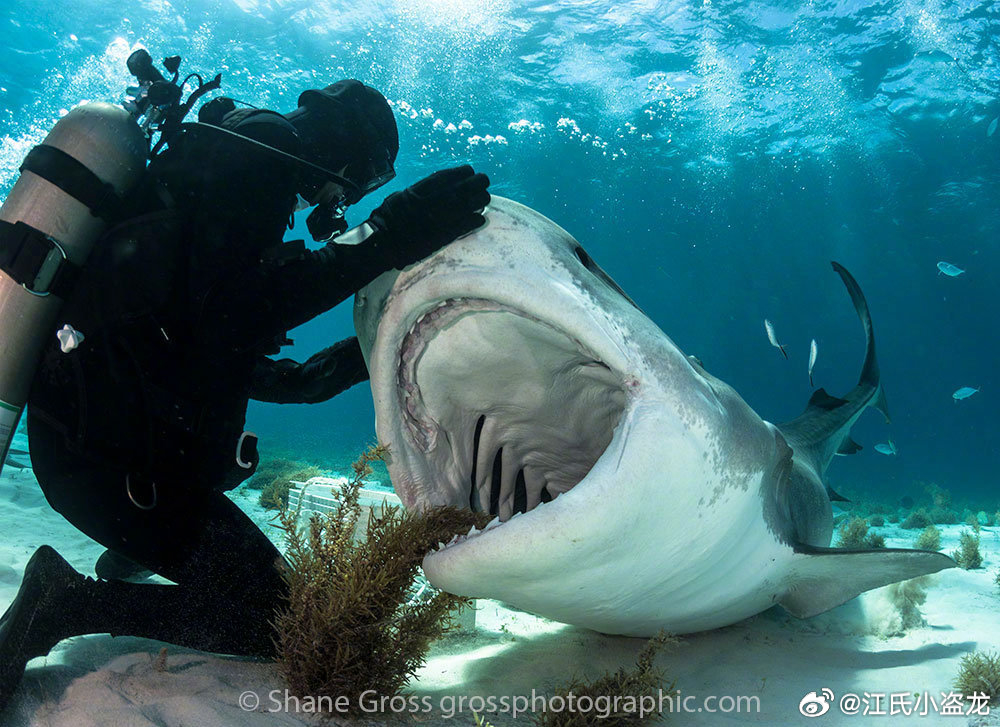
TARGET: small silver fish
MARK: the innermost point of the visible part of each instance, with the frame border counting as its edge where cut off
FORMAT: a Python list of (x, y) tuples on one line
[(949, 269), (813, 350), (993, 127), (964, 393), (883, 448), (772, 338)]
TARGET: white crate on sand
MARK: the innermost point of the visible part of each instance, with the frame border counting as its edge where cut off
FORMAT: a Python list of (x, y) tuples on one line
[(322, 494)]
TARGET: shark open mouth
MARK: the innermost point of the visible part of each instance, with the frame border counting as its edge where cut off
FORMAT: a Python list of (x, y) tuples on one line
[(507, 411)]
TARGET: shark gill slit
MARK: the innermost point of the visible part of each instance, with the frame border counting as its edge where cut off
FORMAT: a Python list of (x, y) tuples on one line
[(520, 493), (495, 483), (474, 503)]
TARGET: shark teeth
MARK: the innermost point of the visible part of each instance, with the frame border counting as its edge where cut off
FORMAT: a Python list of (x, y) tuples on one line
[(473, 532)]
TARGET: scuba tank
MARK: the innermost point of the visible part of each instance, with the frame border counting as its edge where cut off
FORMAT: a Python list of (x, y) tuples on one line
[(70, 187)]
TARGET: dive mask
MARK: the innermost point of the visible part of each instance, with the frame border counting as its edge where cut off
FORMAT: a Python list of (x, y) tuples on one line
[(327, 220)]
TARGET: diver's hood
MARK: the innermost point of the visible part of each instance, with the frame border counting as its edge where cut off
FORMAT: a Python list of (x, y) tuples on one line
[(349, 126)]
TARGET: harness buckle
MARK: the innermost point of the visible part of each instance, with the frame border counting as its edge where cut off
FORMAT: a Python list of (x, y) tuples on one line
[(31, 257)]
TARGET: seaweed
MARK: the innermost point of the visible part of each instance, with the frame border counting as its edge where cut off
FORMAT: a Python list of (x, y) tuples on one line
[(874, 541), (278, 468), (350, 624), (968, 556), (274, 477), (929, 539), (274, 496), (876, 521), (854, 534), (944, 516), (917, 519), (939, 495), (979, 673), (973, 522), (628, 685)]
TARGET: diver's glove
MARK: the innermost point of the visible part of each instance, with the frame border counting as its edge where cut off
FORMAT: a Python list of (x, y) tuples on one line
[(426, 216)]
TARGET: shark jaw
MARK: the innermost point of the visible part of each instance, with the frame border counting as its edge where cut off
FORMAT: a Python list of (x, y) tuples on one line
[(508, 413), (509, 410), (511, 413), (503, 412)]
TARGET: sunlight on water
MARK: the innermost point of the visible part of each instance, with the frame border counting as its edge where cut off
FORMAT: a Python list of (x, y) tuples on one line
[(458, 17)]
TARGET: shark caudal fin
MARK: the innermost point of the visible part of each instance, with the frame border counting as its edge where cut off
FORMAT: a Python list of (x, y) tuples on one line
[(870, 376), (823, 429), (824, 578)]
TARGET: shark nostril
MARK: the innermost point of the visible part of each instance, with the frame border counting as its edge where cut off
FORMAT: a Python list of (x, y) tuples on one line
[(474, 503), (495, 483)]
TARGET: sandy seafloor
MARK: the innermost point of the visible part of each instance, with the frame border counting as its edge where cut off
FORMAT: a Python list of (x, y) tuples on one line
[(103, 681)]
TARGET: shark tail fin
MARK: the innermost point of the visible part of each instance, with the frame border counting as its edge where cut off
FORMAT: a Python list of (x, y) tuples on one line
[(823, 429), (824, 578), (869, 371)]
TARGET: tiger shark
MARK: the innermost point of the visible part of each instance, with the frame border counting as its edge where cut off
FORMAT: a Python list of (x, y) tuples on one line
[(632, 490)]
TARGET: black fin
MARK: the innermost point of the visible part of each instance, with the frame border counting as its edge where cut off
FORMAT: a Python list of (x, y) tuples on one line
[(823, 400), (849, 446), (834, 495), (869, 371)]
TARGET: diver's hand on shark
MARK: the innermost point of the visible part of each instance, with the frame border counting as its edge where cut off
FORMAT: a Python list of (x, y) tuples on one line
[(428, 215)]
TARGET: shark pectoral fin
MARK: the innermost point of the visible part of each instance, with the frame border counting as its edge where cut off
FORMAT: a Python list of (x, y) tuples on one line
[(835, 496), (823, 578)]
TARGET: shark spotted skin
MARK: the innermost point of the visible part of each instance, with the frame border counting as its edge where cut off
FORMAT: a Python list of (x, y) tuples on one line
[(633, 490)]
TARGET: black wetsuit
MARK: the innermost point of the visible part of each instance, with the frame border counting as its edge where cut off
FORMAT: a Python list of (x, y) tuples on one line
[(134, 434)]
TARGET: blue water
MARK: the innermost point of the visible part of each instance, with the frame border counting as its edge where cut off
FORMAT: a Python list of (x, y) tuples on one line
[(712, 156)]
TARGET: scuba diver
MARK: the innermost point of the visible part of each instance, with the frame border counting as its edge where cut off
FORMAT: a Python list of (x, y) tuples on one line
[(136, 428)]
